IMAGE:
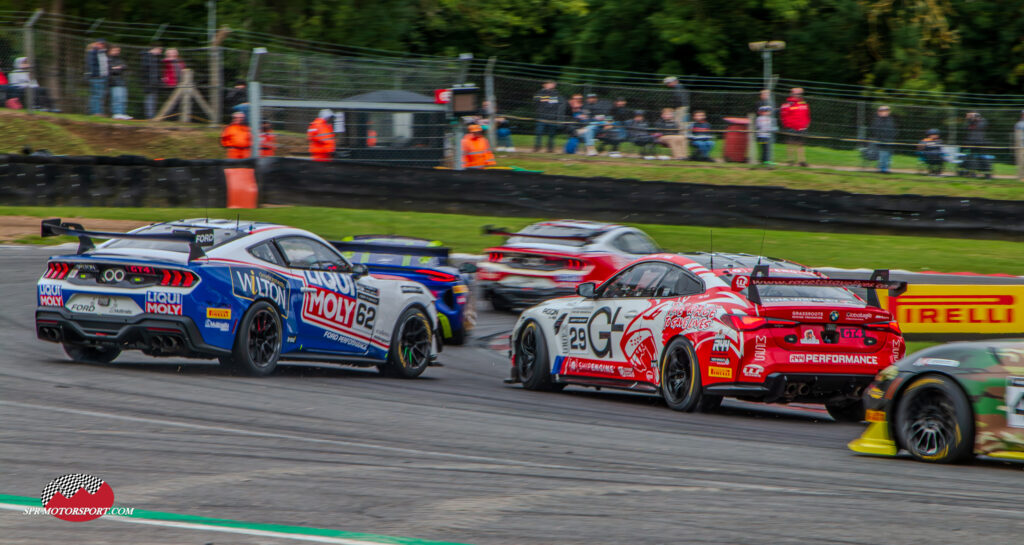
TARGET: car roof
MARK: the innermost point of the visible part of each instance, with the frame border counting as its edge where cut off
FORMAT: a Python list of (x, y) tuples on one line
[(246, 226), (720, 261), (596, 226), (396, 240)]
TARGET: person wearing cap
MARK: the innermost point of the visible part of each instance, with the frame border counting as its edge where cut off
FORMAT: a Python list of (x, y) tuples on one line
[(930, 148), (795, 116), (765, 127), (98, 69), (476, 151), (883, 134), (321, 136), (21, 79), (549, 106), (679, 99), (236, 138)]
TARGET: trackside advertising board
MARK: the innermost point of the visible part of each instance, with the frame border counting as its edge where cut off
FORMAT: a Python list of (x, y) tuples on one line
[(955, 310)]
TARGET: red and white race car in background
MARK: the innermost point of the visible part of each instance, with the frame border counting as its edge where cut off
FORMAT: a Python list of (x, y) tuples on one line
[(549, 259), (699, 327)]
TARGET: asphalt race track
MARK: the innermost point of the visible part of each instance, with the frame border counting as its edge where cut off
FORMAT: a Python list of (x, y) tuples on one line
[(454, 456)]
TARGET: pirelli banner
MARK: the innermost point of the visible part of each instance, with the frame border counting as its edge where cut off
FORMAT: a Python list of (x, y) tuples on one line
[(958, 311)]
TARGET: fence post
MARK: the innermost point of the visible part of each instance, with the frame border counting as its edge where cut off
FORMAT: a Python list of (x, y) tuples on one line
[(861, 129), (188, 84), (30, 56), (216, 95), (492, 130), (1018, 148), (255, 91), (951, 121)]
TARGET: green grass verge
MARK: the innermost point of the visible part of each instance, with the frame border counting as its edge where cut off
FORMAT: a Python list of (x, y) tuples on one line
[(463, 233), (821, 176)]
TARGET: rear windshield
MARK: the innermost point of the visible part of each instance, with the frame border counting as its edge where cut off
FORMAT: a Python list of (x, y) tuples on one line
[(813, 294), (220, 236), (378, 258), (554, 230)]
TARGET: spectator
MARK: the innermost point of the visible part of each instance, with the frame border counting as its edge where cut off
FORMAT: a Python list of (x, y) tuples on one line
[(595, 106), (765, 126), (1018, 143), (977, 156), (668, 133), (620, 113), (548, 104), (610, 133), (171, 67), (503, 129), (21, 79), (151, 78), (574, 108), (596, 111), (638, 132), (321, 136), (268, 140), (236, 138), (118, 84), (883, 134), (98, 69), (476, 151), (701, 138), (930, 149), (680, 100), (795, 116), (236, 99)]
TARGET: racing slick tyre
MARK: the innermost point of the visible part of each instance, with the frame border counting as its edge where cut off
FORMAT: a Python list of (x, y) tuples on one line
[(934, 421), (91, 354), (258, 342), (409, 354), (532, 359), (846, 410), (680, 380), (458, 338)]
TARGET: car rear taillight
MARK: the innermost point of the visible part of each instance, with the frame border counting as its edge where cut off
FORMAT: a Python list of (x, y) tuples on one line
[(746, 322), (57, 270), (437, 276), (892, 326), (495, 257), (176, 279), (575, 264)]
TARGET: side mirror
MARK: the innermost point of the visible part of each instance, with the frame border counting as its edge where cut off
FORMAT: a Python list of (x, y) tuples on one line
[(467, 267), (359, 269), (587, 290)]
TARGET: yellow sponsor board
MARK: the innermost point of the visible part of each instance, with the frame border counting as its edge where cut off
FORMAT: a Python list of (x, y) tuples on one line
[(958, 308), (218, 313), (720, 372), (874, 416), (460, 288)]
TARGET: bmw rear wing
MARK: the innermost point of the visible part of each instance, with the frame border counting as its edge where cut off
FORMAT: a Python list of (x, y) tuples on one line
[(491, 230), (879, 280), (196, 240)]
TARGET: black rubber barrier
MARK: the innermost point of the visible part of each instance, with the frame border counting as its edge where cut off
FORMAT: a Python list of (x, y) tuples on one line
[(509, 193), (112, 181), (136, 181)]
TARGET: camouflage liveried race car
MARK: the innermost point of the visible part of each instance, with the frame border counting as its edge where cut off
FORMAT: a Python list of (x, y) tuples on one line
[(948, 403)]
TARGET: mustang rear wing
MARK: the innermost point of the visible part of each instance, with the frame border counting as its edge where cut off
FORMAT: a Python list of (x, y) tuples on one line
[(879, 280), (491, 230), (196, 240), (392, 249)]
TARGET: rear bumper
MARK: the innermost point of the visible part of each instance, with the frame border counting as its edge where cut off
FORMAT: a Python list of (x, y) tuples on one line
[(799, 387), (154, 335), (516, 298)]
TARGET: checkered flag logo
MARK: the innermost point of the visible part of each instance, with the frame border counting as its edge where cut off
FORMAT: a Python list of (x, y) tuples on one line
[(69, 484)]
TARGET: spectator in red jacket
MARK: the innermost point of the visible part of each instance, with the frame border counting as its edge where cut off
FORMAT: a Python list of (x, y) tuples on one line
[(795, 118)]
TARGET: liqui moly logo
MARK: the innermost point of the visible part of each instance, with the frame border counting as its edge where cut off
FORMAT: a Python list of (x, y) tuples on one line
[(163, 302), (50, 295), (328, 300)]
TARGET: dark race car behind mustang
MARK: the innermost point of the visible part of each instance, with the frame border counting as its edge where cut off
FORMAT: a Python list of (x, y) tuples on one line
[(247, 293), (695, 328)]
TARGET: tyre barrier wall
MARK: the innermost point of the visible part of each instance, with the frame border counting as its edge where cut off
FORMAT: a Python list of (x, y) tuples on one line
[(136, 181), (112, 181)]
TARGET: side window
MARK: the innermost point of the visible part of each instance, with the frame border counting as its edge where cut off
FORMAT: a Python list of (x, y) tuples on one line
[(641, 280), (306, 253), (266, 252), (635, 243), (678, 282)]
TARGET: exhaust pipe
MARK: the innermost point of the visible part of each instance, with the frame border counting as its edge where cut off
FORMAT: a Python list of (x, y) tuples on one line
[(166, 343), (804, 389), (50, 334)]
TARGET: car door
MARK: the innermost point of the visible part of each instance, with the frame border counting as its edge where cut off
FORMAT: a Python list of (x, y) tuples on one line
[(329, 317), (597, 336)]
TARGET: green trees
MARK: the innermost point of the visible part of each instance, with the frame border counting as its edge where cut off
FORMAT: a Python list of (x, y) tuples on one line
[(950, 45)]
